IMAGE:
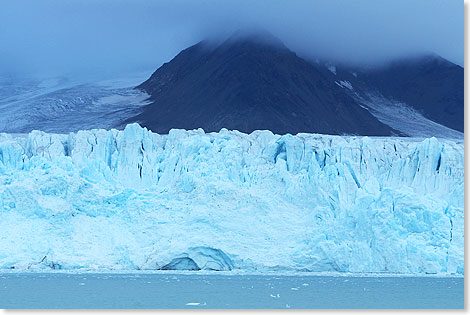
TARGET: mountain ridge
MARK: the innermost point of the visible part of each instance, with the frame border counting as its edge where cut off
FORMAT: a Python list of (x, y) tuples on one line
[(255, 82), (247, 85)]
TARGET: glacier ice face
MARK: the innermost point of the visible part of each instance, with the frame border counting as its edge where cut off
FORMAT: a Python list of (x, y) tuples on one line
[(133, 199)]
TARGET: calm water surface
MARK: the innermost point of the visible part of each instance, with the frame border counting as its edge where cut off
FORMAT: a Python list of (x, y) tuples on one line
[(64, 290)]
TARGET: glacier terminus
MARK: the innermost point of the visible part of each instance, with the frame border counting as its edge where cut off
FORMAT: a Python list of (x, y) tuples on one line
[(190, 200)]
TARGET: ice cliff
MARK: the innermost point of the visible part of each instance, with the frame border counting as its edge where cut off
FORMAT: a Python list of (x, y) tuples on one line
[(133, 199)]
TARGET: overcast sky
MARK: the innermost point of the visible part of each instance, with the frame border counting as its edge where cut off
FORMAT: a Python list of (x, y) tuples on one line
[(109, 37)]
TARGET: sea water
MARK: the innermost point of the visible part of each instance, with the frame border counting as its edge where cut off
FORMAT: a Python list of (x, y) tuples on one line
[(174, 290)]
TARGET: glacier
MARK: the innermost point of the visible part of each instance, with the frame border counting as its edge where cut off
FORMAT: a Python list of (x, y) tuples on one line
[(134, 200), (69, 104)]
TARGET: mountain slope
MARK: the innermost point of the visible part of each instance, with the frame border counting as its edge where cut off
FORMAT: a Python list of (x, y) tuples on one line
[(249, 84), (420, 96), (431, 85)]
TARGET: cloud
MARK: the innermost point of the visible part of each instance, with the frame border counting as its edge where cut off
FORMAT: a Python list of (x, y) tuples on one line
[(108, 37)]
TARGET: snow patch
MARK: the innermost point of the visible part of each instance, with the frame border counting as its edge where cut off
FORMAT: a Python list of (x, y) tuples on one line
[(332, 68), (344, 84)]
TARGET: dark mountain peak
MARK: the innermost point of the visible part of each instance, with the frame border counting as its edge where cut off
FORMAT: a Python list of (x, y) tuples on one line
[(242, 50), (429, 83), (251, 81), (429, 59), (254, 37)]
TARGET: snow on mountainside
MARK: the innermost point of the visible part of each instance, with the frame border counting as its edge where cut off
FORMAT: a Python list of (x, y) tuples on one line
[(134, 199), (404, 118), (419, 97)]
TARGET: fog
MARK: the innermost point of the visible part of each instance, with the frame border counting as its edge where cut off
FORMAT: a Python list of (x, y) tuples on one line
[(113, 37)]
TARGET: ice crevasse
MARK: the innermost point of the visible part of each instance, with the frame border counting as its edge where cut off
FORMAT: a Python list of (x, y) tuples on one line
[(134, 199)]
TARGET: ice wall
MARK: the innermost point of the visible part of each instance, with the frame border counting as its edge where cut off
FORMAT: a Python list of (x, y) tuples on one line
[(133, 199)]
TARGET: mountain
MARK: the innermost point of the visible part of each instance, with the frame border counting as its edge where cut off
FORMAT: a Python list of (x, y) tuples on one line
[(430, 84), (421, 96), (249, 83)]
